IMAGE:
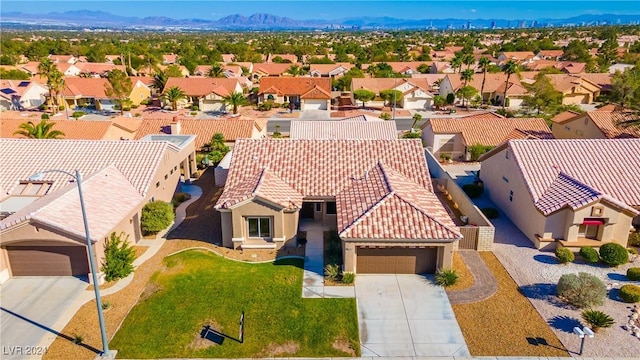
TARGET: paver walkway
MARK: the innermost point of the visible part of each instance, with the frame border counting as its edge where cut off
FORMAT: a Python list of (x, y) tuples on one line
[(313, 278), (484, 283)]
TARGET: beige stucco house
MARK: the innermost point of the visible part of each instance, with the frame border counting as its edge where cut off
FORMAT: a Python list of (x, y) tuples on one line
[(599, 124), (307, 93), (416, 92), (206, 93), (376, 194), (566, 192), (41, 227)]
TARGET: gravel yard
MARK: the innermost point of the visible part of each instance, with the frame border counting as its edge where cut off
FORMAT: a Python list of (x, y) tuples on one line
[(537, 273)]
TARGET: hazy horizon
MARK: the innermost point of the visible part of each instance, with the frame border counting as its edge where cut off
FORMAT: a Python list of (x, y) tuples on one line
[(334, 10)]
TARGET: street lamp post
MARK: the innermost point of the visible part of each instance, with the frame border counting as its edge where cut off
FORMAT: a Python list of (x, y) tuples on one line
[(394, 97), (78, 178)]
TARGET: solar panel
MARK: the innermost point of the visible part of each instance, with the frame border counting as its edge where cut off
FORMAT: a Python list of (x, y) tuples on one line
[(8, 91), (24, 84)]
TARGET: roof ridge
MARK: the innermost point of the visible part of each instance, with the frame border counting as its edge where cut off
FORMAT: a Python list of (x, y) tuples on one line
[(367, 212)]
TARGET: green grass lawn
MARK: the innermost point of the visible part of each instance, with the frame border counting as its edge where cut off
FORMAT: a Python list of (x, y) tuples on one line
[(199, 288)]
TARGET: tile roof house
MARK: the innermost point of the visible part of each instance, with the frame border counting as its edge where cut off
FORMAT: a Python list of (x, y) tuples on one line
[(329, 70), (575, 89), (416, 92), (568, 192), (21, 94), (376, 193), (203, 129), (518, 56), (550, 54), (41, 227), (261, 70), (494, 87), (86, 92), (598, 124), (72, 129), (454, 136), (344, 129), (206, 93), (307, 93)]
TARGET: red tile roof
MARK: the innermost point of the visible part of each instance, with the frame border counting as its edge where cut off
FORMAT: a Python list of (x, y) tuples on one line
[(378, 84), (318, 129), (313, 88), (272, 69), (85, 87), (265, 185), (607, 122), (198, 86), (72, 129), (203, 129)]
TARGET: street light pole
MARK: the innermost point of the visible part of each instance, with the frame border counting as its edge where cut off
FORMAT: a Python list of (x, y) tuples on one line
[(394, 97), (94, 275)]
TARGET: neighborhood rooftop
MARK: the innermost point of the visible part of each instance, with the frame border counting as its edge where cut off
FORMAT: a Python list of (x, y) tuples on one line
[(345, 129)]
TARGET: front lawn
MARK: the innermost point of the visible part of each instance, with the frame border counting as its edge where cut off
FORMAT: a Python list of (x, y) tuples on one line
[(199, 288)]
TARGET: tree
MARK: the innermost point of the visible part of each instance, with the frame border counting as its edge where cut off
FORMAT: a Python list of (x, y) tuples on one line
[(216, 71), (294, 70), (391, 96), (468, 60), (118, 257), (424, 68), (14, 74), (173, 71), (46, 68), (173, 95), (235, 99), (456, 63), (466, 76), (42, 130), (159, 81), (217, 147), (607, 54), (416, 118), (625, 87), (364, 95), (119, 88), (466, 93), (344, 82), (484, 63), (439, 101), (543, 96), (511, 67), (56, 84), (576, 50)]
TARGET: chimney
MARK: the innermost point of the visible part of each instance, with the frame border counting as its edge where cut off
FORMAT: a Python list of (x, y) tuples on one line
[(175, 126)]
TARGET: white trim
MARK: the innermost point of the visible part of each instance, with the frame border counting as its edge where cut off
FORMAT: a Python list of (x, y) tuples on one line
[(4, 275)]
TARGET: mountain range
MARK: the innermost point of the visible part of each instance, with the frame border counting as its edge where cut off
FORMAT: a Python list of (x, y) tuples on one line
[(87, 18)]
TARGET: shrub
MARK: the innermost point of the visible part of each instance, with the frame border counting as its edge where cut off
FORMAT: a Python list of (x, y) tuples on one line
[(145, 102), (630, 293), (490, 213), (195, 108), (179, 198), (285, 105), (472, 190), (156, 216), (446, 277), (78, 339), (78, 114), (277, 105), (385, 116), (614, 254), (582, 290), (44, 117), (597, 319), (332, 271), (450, 98), (589, 254), (478, 150), (632, 251), (61, 107), (118, 257), (348, 277), (135, 106), (633, 273), (126, 108), (634, 238), (565, 255), (106, 305)]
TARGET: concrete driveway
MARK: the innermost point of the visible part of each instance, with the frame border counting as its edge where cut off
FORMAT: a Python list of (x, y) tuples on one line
[(406, 315), (30, 310)]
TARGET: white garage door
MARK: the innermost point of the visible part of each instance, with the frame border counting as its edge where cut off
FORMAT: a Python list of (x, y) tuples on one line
[(416, 104), (315, 104), (208, 105)]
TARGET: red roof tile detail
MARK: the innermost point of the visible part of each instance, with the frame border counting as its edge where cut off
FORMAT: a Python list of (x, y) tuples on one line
[(297, 86)]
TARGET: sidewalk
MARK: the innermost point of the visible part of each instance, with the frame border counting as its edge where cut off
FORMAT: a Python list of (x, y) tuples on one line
[(313, 278)]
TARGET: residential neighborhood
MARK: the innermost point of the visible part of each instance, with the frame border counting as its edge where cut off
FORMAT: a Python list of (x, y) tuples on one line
[(275, 187)]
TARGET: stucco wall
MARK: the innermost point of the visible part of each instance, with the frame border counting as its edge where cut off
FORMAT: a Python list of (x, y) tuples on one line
[(139, 93), (577, 129), (284, 225)]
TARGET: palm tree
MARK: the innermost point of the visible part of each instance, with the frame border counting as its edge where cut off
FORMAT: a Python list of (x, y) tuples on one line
[(216, 71), (468, 60), (42, 130), (159, 81), (235, 99), (466, 76), (484, 63), (45, 68), (456, 62), (294, 70), (56, 84), (511, 67), (173, 95)]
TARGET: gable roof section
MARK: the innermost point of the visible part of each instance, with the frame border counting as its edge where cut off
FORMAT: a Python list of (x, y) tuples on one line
[(489, 129), (383, 204), (566, 82), (297, 86), (72, 129), (345, 129), (108, 195), (137, 160), (595, 163), (494, 82), (378, 84), (607, 122), (203, 129), (272, 69), (320, 168), (202, 86), (85, 87)]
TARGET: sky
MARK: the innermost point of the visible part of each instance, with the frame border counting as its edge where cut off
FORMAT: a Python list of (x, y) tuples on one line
[(328, 10)]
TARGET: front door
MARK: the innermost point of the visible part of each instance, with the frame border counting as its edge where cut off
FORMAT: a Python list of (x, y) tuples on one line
[(307, 210)]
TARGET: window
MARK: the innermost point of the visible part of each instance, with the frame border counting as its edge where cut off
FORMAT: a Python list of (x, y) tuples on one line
[(597, 211), (318, 207), (331, 208), (259, 227), (505, 179), (158, 184), (166, 176), (511, 195), (506, 155)]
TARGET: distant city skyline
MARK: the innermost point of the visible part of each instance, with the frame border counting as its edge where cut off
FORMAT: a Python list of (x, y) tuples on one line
[(335, 10)]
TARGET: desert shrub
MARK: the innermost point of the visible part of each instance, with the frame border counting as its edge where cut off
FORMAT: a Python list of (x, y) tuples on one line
[(385, 116), (478, 150), (277, 105), (61, 107), (78, 339), (179, 198), (332, 271), (156, 216), (126, 108), (582, 290), (589, 254), (118, 257), (78, 114), (193, 113), (630, 293), (106, 305), (145, 102), (597, 319), (135, 106), (490, 213), (564, 255), (633, 273), (446, 277), (614, 254), (450, 98), (195, 108), (348, 277), (634, 238), (632, 251), (472, 190), (285, 105), (44, 117)]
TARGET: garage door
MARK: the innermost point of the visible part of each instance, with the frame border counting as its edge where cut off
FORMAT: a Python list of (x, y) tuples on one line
[(208, 105), (48, 260), (396, 260), (315, 105), (415, 104), (576, 99)]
